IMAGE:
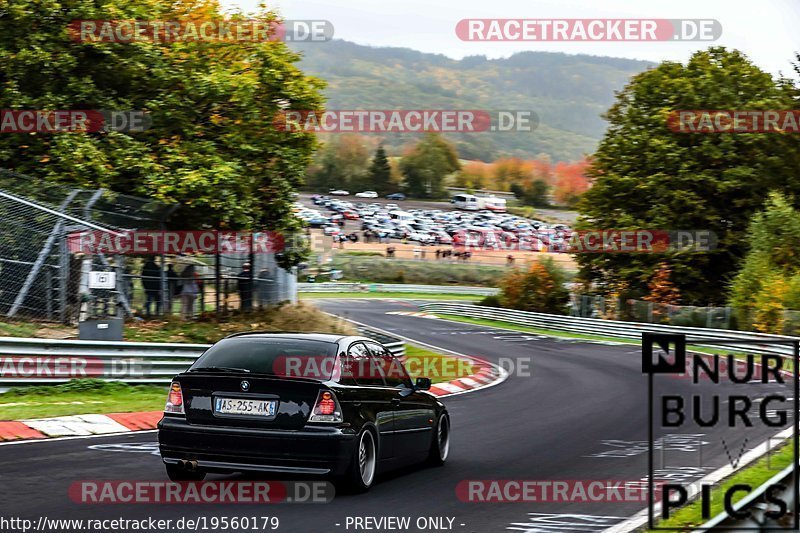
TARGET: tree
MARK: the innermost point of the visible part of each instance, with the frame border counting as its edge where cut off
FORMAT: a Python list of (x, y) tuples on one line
[(647, 177), (212, 147), (535, 194), (571, 182), (380, 172), (472, 176), (768, 281), (427, 165), (662, 290), (540, 288), (342, 163)]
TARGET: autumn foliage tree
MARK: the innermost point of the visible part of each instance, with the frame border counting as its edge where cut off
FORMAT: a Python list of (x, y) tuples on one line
[(662, 290), (212, 147), (540, 288)]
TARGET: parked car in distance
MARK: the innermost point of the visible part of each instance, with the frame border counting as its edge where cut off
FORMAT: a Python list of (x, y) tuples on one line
[(367, 194), (318, 222), (303, 404), (396, 196), (339, 192)]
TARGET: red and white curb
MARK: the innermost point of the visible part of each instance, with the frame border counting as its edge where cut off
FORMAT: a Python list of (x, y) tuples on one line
[(78, 425), (419, 314)]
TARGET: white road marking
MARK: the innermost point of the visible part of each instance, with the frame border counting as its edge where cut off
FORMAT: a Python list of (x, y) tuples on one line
[(75, 425)]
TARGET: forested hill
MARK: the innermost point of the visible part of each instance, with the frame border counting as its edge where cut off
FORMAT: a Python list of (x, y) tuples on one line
[(568, 92)]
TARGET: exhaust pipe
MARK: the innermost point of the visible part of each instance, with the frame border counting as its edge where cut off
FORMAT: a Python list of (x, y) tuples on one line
[(190, 466)]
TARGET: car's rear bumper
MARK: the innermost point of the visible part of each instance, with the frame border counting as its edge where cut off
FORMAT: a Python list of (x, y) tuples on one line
[(312, 450)]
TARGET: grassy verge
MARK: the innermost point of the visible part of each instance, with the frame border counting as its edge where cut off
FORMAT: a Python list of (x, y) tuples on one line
[(580, 336), (421, 362), (528, 329), (690, 516), (79, 397), (392, 295), (301, 317)]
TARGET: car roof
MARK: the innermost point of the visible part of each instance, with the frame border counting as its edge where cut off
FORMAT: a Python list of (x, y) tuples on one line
[(324, 337)]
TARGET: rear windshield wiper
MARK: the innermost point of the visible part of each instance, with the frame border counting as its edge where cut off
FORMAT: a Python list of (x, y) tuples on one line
[(218, 369)]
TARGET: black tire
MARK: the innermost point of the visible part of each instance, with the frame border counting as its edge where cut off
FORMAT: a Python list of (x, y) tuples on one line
[(440, 443), (363, 465), (176, 473)]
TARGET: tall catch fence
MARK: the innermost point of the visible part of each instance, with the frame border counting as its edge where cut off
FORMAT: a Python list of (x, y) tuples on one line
[(44, 276)]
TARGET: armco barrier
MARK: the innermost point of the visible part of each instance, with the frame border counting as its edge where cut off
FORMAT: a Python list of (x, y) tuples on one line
[(130, 362), (611, 328), (390, 287)]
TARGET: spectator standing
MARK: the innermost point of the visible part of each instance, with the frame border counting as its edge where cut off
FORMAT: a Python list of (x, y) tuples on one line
[(245, 288), (151, 281), (190, 288)]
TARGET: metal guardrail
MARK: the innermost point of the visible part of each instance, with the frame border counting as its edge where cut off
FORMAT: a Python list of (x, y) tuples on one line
[(390, 287), (613, 328), (135, 363)]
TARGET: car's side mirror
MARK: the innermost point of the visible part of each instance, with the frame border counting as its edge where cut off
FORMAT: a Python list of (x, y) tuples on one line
[(423, 384)]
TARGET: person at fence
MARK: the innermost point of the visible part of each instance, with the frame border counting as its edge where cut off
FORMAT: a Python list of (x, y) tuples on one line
[(390, 252), (510, 260), (245, 283), (190, 288), (151, 281), (173, 286)]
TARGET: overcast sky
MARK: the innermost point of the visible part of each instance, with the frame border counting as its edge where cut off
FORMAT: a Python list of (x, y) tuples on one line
[(768, 31)]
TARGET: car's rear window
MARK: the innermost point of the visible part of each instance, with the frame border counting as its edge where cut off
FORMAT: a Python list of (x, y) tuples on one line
[(292, 358)]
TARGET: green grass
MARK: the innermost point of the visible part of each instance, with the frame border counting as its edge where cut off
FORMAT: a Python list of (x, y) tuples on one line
[(421, 362), (580, 336), (79, 397), (762, 470), (18, 329), (528, 329), (392, 295)]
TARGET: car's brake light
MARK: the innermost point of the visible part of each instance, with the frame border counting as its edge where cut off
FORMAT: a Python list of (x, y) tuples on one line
[(174, 399), (326, 409)]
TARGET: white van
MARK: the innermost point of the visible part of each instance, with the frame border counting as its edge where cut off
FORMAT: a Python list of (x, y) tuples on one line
[(468, 202), (401, 217), (492, 203)]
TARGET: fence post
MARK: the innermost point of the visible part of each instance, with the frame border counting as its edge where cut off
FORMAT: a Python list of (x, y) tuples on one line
[(217, 275)]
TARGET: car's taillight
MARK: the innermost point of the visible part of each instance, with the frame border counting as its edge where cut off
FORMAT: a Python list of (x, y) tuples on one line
[(326, 409), (174, 399)]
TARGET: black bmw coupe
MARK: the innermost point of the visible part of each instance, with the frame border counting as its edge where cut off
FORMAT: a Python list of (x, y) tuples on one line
[(334, 405)]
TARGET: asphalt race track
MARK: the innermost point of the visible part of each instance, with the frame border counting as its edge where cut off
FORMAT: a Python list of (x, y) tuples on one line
[(580, 415)]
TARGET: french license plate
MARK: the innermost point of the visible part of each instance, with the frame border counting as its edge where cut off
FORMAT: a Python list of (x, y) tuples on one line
[(239, 406)]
